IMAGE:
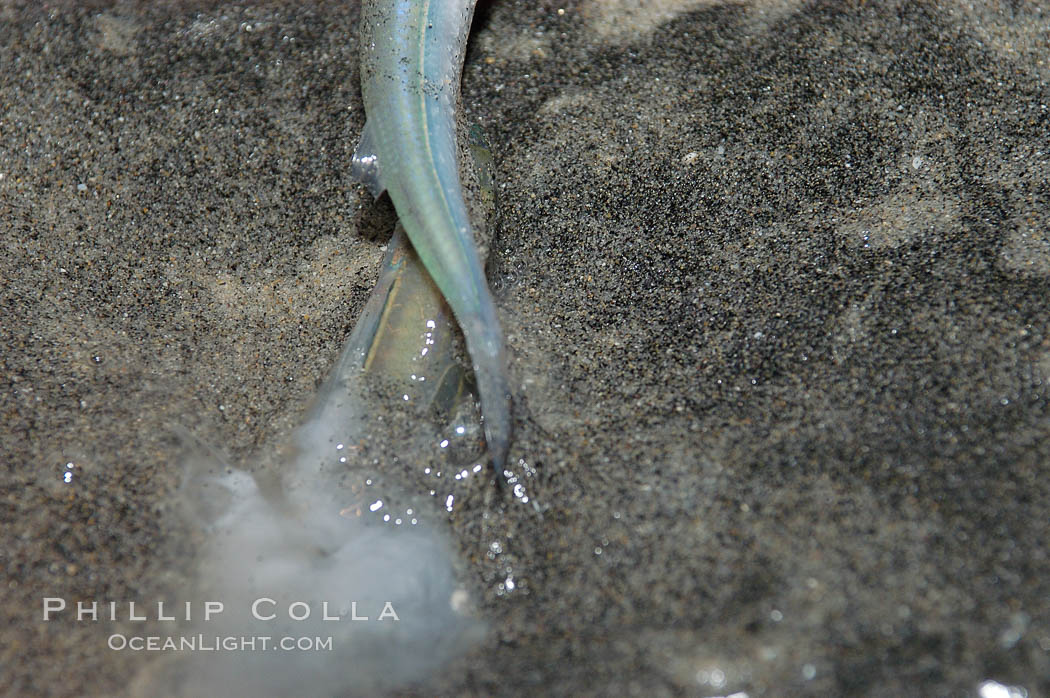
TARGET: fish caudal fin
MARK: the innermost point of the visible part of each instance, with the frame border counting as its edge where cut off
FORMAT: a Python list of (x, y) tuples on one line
[(485, 344)]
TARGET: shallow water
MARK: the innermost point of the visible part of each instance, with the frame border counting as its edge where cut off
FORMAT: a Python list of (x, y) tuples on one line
[(773, 278)]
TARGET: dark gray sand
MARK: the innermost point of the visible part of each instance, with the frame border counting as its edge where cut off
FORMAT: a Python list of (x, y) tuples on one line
[(774, 279)]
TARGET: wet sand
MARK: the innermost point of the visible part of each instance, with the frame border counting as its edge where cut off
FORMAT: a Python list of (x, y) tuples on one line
[(774, 278)]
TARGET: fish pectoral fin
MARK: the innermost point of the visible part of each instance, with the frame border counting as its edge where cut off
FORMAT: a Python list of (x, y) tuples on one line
[(365, 165)]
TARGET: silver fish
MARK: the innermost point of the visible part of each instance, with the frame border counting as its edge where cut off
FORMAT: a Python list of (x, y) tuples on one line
[(411, 60)]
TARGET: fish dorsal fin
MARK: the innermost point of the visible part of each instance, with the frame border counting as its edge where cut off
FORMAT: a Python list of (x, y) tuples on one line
[(365, 165)]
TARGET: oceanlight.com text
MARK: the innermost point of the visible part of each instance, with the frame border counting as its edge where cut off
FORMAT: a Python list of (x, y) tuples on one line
[(217, 643)]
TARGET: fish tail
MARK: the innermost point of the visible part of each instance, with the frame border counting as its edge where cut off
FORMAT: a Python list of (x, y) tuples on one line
[(485, 345)]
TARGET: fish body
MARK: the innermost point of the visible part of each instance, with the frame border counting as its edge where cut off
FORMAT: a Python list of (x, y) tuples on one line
[(411, 62)]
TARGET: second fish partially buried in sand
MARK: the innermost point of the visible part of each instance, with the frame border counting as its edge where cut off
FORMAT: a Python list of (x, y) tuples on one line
[(405, 344), (411, 61)]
